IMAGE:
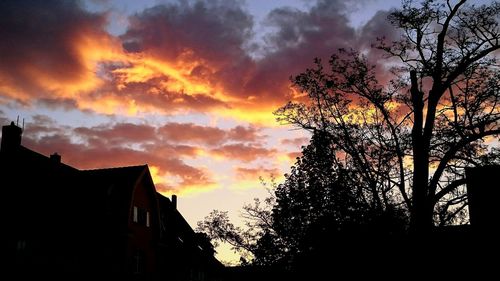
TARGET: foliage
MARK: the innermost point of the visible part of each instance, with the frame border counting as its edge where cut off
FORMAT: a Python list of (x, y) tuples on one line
[(322, 197), (410, 141), (381, 152), (319, 197)]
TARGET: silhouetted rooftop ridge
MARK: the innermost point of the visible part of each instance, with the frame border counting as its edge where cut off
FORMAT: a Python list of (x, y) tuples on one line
[(116, 168)]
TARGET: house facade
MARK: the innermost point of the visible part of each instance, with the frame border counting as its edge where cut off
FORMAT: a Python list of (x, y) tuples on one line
[(79, 224)]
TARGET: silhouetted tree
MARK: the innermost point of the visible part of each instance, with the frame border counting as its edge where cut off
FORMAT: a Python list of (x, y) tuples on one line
[(323, 198), (256, 242), (319, 199), (379, 148), (410, 140)]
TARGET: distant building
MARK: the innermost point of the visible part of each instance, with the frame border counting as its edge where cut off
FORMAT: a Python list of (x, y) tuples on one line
[(59, 221)]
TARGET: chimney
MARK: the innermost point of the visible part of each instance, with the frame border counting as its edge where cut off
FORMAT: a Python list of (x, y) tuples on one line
[(55, 158), (174, 201), (483, 192), (11, 137)]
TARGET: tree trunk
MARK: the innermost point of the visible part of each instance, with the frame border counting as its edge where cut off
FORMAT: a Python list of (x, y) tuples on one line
[(421, 212), (422, 208)]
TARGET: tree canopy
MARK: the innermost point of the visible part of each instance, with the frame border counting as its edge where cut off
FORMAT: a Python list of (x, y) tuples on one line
[(382, 152), (410, 140)]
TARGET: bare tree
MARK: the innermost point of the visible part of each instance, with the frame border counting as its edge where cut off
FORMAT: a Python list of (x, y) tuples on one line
[(410, 140)]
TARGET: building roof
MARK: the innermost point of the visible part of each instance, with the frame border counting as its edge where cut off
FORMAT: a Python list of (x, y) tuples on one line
[(43, 191)]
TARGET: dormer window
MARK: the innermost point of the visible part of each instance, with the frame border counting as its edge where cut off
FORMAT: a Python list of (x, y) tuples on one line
[(141, 216)]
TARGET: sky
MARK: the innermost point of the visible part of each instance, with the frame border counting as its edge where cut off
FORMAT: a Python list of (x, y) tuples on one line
[(187, 87)]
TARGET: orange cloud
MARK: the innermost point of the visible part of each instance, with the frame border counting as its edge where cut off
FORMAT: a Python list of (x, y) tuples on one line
[(182, 176), (172, 59), (164, 148), (51, 49), (120, 133), (101, 147), (255, 173), (189, 132), (243, 152), (173, 150), (296, 142), (292, 156), (245, 134)]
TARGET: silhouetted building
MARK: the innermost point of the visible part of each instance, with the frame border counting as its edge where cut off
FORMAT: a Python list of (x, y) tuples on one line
[(483, 192), (63, 222)]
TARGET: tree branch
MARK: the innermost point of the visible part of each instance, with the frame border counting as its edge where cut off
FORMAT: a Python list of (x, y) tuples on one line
[(449, 188), (450, 155)]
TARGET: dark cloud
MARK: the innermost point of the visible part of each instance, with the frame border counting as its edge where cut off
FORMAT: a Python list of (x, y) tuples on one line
[(204, 42), (377, 27), (43, 125), (39, 39), (54, 103), (298, 38), (211, 35), (214, 34), (213, 30)]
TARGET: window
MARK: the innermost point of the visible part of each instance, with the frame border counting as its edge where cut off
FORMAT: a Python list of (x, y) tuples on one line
[(136, 214), (141, 216)]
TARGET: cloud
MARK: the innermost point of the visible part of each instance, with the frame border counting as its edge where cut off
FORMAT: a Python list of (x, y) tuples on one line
[(243, 152), (88, 156), (119, 133), (45, 48), (292, 156), (174, 150), (199, 46), (43, 125), (3, 119), (192, 133), (132, 92), (298, 37), (174, 58), (243, 173), (206, 42), (189, 132), (295, 142), (108, 145), (54, 103), (164, 148), (212, 31), (378, 27), (245, 134)]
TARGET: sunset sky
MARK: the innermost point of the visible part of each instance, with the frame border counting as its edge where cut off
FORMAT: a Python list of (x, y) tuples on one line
[(187, 87)]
